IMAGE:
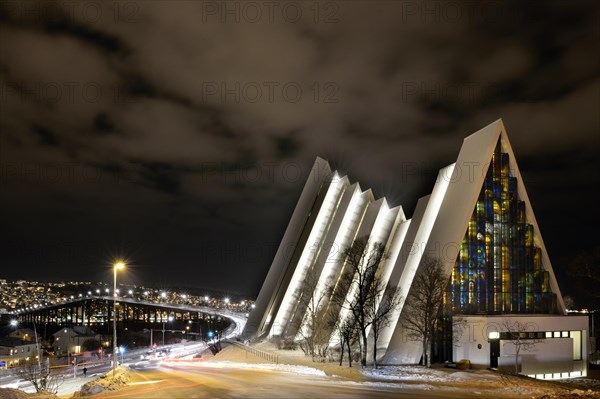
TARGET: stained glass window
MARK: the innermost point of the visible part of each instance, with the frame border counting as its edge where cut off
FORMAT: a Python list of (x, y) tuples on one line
[(499, 268)]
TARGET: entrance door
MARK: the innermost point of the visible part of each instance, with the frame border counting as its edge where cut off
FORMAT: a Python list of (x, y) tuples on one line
[(494, 352)]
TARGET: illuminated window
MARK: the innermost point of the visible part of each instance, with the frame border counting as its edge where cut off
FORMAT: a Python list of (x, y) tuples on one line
[(499, 268), (576, 335)]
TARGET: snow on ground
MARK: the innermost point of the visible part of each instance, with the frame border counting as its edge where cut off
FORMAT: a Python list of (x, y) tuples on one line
[(108, 381), (286, 368), (406, 373), (390, 385), (10, 393), (482, 382), (424, 374)]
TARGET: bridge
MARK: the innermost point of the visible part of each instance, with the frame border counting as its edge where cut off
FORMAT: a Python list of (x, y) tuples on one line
[(97, 309)]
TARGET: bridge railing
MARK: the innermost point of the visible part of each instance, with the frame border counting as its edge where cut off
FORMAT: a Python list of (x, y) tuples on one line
[(268, 356)]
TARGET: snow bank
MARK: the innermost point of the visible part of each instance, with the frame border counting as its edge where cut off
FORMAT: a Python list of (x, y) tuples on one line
[(106, 382), (10, 393), (286, 368), (407, 373)]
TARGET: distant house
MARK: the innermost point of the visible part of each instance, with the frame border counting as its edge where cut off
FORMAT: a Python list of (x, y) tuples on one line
[(15, 351), (70, 340), (26, 334)]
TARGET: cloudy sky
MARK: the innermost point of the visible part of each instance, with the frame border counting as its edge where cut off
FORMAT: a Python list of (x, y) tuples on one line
[(179, 134)]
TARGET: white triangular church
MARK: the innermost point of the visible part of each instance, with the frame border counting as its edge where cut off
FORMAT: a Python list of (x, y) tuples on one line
[(478, 221)]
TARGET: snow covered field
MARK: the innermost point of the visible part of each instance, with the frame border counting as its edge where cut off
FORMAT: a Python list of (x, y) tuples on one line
[(482, 382)]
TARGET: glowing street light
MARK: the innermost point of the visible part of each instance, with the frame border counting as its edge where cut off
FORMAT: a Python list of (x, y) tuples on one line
[(116, 266), (122, 351)]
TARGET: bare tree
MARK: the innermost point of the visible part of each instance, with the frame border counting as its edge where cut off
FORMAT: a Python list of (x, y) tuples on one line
[(423, 302), (41, 377), (520, 335), (313, 331), (346, 331), (381, 311), (361, 286)]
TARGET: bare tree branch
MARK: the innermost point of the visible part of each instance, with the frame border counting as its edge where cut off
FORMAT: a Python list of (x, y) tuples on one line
[(425, 298), (518, 334), (360, 288), (42, 378)]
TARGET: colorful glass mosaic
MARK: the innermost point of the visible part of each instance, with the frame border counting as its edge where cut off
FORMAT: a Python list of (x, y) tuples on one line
[(499, 268)]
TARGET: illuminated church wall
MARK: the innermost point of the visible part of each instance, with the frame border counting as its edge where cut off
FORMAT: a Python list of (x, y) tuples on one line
[(477, 222)]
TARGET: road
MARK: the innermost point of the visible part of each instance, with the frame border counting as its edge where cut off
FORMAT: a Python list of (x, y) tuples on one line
[(231, 382), (11, 379)]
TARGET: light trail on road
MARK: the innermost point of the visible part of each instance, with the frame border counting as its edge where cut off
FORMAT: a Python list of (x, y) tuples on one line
[(183, 382)]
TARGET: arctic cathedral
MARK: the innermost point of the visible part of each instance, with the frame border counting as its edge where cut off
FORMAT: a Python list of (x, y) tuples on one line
[(478, 221)]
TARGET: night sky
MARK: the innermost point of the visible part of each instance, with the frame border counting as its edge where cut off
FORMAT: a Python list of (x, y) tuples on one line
[(179, 134)]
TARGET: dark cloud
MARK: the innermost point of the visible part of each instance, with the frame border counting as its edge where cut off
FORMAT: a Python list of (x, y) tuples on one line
[(183, 137), (103, 124), (160, 177), (46, 137), (56, 18)]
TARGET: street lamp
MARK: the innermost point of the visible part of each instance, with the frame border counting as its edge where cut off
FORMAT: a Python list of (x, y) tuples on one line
[(122, 350), (170, 318), (116, 266)]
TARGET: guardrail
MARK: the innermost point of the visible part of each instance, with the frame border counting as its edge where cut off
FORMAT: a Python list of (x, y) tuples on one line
[(268, 356)]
